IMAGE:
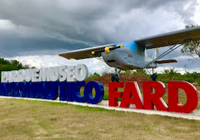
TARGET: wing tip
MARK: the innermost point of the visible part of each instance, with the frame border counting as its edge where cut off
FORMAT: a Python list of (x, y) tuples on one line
[(63, 56)]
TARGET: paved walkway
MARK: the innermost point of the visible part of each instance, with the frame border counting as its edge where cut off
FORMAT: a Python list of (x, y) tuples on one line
[(195, 115)]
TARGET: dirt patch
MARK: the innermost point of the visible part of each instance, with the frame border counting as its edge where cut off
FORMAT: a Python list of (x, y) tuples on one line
[(124, 78)]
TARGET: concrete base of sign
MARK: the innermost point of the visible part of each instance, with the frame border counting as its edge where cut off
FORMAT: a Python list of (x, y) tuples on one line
[(195, 115)]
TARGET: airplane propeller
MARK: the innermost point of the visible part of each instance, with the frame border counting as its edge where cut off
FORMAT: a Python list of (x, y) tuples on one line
[(107, 49)]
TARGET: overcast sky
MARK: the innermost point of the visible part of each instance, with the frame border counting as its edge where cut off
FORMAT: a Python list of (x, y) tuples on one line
[(35, 31)]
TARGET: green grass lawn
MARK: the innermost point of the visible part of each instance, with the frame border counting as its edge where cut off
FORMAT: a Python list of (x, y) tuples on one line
[(25, 119)]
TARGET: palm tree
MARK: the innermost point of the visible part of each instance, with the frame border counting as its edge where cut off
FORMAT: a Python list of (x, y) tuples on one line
[(170, 73)]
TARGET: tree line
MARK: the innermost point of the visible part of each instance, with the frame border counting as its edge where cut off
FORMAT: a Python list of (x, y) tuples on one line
[(6, 65), (165, 76)]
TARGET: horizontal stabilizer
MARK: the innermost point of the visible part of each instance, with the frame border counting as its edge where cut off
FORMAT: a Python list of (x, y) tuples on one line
[(166, 61)]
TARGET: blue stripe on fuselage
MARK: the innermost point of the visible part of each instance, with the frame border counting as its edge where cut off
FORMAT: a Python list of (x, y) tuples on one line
[(131, 45)]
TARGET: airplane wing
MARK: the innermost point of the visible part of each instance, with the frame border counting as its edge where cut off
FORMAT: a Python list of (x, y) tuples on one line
[(85, 53), (157, 41), (170, 38)]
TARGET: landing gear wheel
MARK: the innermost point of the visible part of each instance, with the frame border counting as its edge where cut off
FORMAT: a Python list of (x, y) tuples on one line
[(154, 77), (115, 78)]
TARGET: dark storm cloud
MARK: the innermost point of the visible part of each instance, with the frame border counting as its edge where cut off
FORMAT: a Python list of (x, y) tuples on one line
[(37, 46), (47, 26)]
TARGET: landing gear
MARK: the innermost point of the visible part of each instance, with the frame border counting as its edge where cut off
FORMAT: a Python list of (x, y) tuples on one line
[(154, 77), (115, 77)]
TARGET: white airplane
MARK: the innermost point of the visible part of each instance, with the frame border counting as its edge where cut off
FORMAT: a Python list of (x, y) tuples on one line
[(132, 55)]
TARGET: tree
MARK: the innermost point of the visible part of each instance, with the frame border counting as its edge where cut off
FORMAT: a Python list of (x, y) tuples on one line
[(5, 65), (16, 64), (19, 65), (191, 48), (170, 73)]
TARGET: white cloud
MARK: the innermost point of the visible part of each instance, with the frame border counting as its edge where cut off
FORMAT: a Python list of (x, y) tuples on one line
[(196, 16), (6, 25), (39, 61)]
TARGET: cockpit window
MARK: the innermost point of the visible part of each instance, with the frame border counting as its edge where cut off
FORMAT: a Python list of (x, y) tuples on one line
[(140, 50)]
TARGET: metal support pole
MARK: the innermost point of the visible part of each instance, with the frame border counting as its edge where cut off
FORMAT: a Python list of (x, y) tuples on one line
[(152, 70), (116, 70)]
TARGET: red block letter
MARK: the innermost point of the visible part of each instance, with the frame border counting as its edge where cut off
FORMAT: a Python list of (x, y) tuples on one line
[(113, 93), (191, 94), (132, 95), (150, 98)]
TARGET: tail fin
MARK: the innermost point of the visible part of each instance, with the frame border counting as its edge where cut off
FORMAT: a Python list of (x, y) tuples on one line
[(155, 53)]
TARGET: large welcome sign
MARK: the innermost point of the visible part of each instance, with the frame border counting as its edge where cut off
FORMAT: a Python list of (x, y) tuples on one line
[(47, 83), (152, 96), (66, 82)]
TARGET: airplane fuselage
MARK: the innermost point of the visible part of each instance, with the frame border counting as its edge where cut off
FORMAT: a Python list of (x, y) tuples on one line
[(127, 58)]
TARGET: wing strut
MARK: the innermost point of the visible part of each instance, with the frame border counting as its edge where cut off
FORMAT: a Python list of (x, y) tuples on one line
[(172, 48)]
